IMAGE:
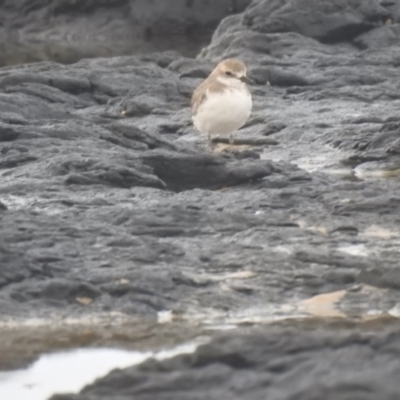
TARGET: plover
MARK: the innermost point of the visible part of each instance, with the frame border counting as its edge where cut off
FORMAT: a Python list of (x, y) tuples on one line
[(222, 103)]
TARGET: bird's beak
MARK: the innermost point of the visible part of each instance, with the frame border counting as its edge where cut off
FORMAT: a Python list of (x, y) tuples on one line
[(247, 80)]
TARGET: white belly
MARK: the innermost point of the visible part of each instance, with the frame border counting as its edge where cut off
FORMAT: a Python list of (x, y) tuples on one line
[(223, 113)]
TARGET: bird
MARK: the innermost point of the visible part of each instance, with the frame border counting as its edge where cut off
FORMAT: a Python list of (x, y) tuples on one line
[(222, 103)]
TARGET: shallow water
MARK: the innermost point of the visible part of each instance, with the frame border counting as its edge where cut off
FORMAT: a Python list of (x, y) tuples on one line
[(69, 372)]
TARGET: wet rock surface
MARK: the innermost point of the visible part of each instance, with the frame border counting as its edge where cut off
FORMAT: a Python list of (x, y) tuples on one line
[(112, 204), (280, 364)]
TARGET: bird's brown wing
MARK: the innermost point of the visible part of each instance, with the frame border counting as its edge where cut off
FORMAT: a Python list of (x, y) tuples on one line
[(200, 94)]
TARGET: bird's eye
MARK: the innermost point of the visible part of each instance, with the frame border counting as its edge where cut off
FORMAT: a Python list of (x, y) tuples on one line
[(228, 73)]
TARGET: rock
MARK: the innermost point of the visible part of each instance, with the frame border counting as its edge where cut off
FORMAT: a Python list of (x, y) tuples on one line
[(378, 38), (13, 267), (204, 171), (387, 278), (102, 156), (280, 364), (111, 197), (323, 21), (66, 31), (276, 77)]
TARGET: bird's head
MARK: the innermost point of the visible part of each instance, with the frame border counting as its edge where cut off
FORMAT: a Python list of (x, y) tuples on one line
[(232, 68)]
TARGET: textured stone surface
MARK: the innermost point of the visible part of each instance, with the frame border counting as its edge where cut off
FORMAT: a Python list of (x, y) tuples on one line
[(108, 195), (66, 31), (281, 364), (103, 179)]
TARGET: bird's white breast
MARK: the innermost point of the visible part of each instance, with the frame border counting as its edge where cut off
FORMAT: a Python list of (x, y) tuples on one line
[(224, 112)]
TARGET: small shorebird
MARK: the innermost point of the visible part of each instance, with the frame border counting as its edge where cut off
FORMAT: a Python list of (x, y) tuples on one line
[(222, 103)]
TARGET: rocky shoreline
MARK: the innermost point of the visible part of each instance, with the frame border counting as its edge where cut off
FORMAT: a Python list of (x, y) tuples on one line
[(281, 363), (111, 205)]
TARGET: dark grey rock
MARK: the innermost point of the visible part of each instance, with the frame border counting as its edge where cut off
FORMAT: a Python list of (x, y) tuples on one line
[(110, 195), (378, 38), (324, 21), (67, 31), (14, 267), (279, 364), (204, 171)]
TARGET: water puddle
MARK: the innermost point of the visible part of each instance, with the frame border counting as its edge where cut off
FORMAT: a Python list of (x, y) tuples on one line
[(316, 157), (311, 158), (359, 250), (330, 162), (380, 232), (377, 170), (70, 371)]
